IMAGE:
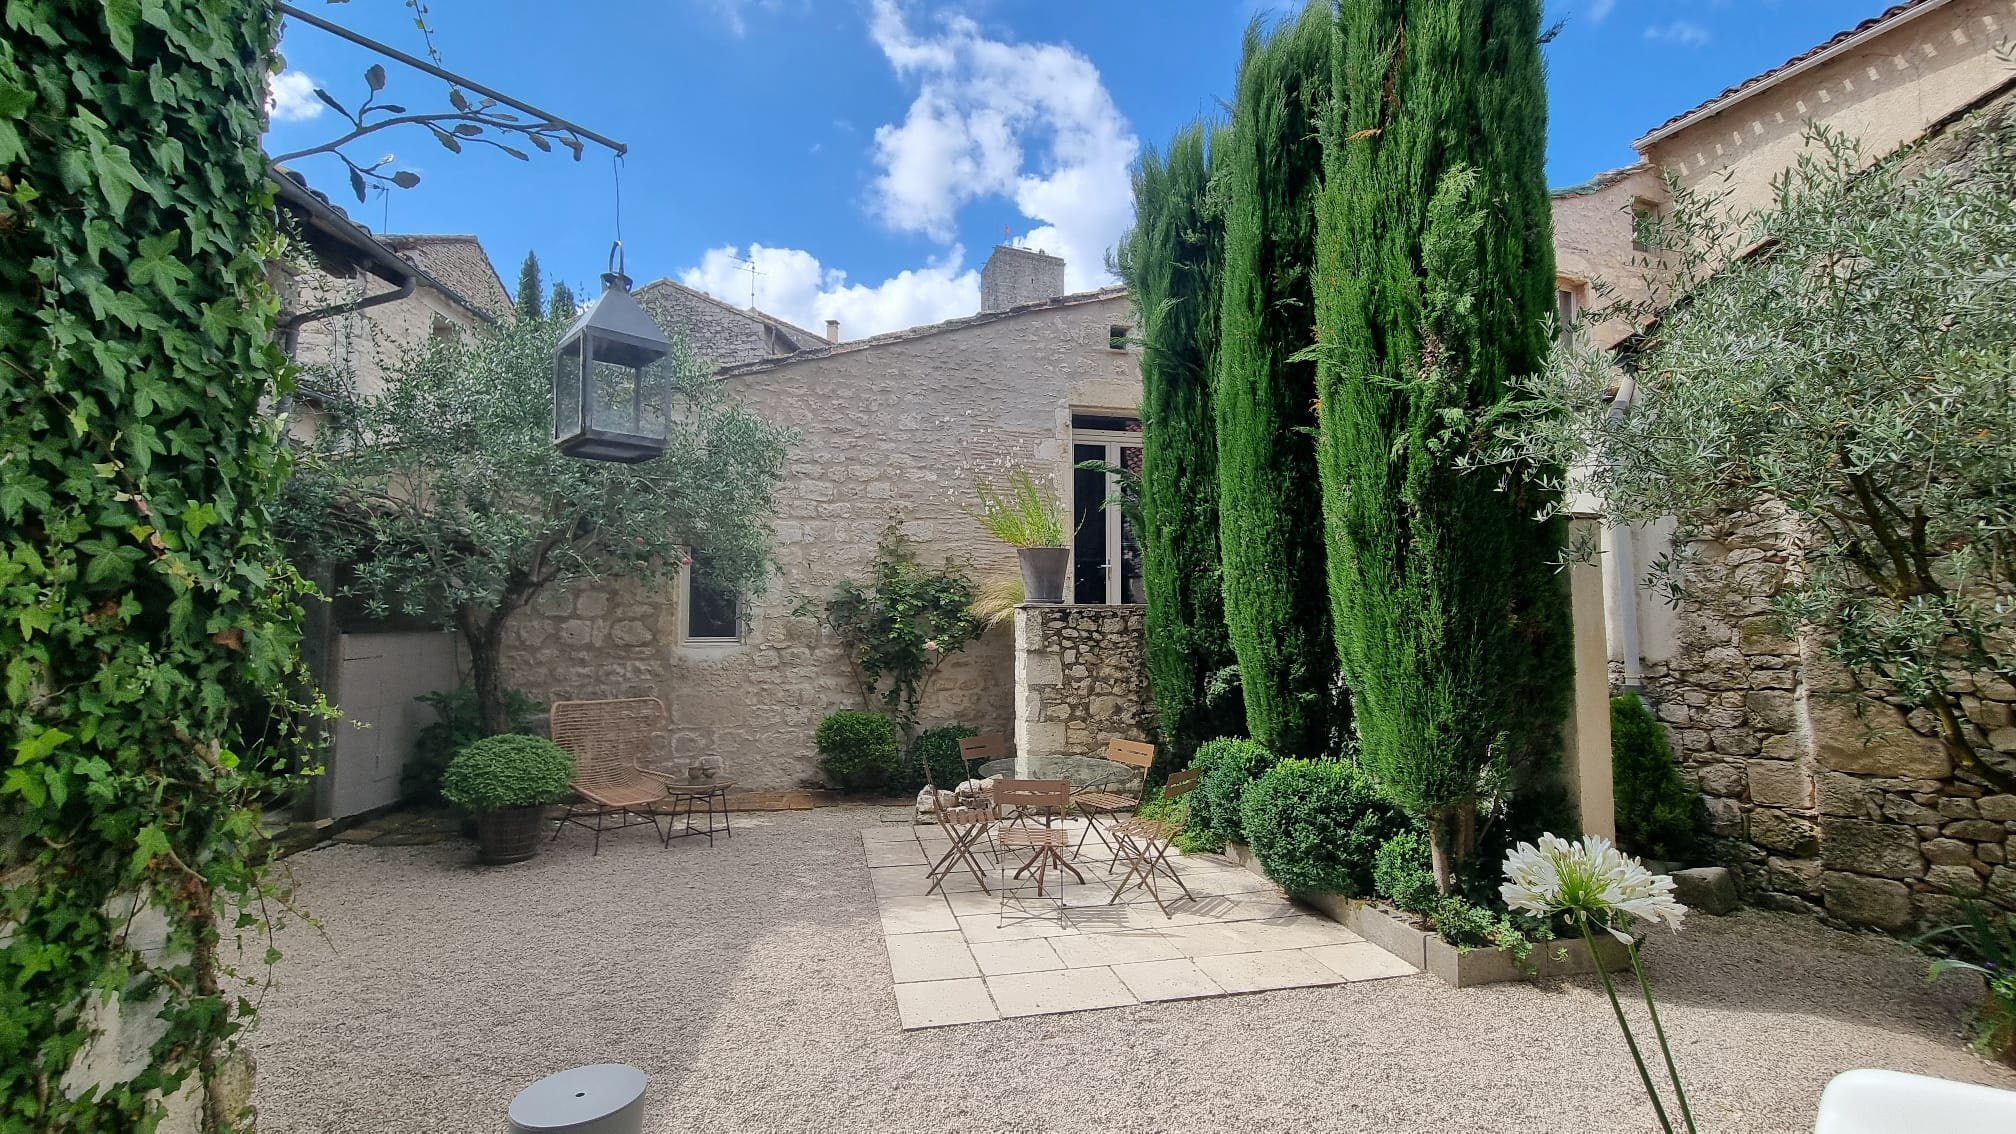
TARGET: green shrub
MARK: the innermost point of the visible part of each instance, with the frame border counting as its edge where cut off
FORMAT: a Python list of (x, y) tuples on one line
[(1468, 926), (857, 750), (1192, 839), (1228, 765), (1316, 826), (459, 725), (936, 752), (1655, 807), (1403, 872), (508, 771)]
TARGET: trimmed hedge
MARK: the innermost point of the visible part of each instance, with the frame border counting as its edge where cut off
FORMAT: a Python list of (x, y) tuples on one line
[(1655, 807), (936, 752), (1228, 765), (1317, 826), (1403, 872), (499, 772), (857, 750)]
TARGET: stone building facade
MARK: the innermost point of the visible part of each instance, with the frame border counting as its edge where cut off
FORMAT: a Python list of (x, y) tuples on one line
[(1824, 799), (722, 334), (894, 428)]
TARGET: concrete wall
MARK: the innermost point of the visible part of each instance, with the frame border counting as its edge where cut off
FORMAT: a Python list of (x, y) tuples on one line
[(1080, 679), (895, 430)]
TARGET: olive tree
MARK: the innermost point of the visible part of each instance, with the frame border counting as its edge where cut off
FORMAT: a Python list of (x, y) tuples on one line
[(443, 494), (1842, 365)]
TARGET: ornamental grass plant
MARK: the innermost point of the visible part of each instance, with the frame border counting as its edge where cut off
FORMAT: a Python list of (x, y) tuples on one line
[(1020, 512)]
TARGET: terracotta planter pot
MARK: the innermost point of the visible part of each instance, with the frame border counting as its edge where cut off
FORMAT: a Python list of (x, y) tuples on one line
[(1044, 570), (509, 835)]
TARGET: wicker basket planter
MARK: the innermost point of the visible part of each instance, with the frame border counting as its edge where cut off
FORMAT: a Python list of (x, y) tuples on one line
[(512, 834)]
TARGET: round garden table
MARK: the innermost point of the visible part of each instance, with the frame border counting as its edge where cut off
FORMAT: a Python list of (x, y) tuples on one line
[(1083, 771)]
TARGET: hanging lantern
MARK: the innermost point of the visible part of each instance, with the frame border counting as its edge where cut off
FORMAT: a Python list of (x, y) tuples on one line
[(612, 400)]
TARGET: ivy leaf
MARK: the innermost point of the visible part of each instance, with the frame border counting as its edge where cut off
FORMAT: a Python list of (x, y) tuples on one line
[(405, 179), (196, 517), (375, 77), (121, 16), (39, 746), (152, 841), (156, 263), (14, 100), (116, 176), (19, 782)]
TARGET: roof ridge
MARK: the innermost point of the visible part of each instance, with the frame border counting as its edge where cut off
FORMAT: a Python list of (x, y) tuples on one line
[(1111, 291), (745, 312)]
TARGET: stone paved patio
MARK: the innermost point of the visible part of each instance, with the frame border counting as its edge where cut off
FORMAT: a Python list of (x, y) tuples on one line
[(963, 955)]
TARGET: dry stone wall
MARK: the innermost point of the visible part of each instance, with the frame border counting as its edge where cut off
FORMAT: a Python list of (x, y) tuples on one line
[(896, 430), (1824, 798), (1080, 679)]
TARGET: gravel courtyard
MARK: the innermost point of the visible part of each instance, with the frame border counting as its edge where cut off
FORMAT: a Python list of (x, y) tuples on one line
[(749, 981)]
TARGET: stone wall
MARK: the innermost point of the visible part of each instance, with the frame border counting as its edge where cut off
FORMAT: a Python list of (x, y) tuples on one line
[(1825, 799), (1080, 679), (1014, 276), (896, 428), (717, 332)]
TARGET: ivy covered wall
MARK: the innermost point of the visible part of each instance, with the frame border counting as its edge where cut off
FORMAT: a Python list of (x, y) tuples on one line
[(147, 623)]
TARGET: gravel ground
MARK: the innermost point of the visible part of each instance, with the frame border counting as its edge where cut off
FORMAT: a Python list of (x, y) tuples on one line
[(750, 983)]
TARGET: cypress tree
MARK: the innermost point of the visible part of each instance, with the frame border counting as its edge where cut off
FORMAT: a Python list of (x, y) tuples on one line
[(1436, 276), (1270, 516), (530, 292), (561, 305), (1171, 261)]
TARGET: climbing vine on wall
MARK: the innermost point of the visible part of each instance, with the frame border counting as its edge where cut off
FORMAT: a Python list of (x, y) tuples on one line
[(147, 624)]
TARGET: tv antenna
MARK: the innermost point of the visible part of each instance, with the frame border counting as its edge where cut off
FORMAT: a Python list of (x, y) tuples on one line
[(750, 267)]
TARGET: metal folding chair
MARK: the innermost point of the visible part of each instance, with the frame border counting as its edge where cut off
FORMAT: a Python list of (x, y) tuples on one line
[(1144, 843), (1097, 800), (1046, 843), (977, 750), (966, 827)]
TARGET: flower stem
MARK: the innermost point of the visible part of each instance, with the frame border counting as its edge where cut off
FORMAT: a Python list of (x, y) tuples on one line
[(1631, 1041), (1659, 1030)]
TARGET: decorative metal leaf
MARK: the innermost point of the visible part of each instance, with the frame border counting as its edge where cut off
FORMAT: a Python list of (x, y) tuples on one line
[(468, 129), (357, 184), (405, 179), (448, 140), (374, 77), (326, 97), (539, 140), (458, 100), (519, 154)]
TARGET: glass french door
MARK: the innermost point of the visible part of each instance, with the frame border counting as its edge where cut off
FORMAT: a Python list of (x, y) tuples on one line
[(1106, 551)]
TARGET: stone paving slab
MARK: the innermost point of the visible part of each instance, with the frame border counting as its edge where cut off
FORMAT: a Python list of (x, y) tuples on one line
[(959, 955)]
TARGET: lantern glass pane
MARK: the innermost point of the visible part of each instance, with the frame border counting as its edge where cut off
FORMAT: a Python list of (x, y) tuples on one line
[(629, 394), (568, 419)]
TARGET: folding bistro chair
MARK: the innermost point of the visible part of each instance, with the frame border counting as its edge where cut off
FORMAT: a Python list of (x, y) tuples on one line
[(1144, 843), (977, 750), (1046, 843), (1096, 800), (966, 827)]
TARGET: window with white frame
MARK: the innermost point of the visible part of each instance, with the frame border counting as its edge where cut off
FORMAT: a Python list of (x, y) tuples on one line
[(713, 613), (1105, 550)]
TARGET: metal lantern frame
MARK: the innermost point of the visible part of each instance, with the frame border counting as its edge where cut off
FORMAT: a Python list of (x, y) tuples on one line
[(612, 336)]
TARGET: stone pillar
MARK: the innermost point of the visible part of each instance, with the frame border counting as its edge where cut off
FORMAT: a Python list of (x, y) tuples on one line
[(1039, 671), (1586, 739), (1080, 680)]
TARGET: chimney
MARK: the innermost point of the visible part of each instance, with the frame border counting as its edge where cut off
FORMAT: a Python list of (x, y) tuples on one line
[(832, 330), (1015, 276)]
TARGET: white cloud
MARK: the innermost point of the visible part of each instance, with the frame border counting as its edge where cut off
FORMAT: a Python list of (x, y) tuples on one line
[(1599, 10), (793, 285), (734, 14), (290, 97), (1031, 123), (1682, 33)]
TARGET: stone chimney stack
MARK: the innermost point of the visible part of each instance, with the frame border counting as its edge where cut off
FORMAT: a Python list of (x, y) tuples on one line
[(1015, 276), (832, 330)]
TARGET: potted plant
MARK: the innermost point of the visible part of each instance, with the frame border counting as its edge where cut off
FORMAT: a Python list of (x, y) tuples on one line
[(1027, 517), (507, 782)]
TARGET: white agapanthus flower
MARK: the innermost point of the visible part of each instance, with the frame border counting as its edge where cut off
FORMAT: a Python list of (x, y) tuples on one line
[(1590, 878)]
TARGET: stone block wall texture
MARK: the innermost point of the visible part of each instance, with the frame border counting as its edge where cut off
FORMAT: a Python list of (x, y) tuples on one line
[(716, 332), (1014, 276), (1080, 679), (1824, 798), (896, 429)]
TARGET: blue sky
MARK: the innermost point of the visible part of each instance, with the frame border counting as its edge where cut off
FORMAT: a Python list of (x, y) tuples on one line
[(867, 154)]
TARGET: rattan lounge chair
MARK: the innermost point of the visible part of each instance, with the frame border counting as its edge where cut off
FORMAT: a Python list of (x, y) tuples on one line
[(608, 739)]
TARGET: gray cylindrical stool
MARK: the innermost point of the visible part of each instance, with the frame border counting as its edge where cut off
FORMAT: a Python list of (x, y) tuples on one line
[(601, 1098)]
